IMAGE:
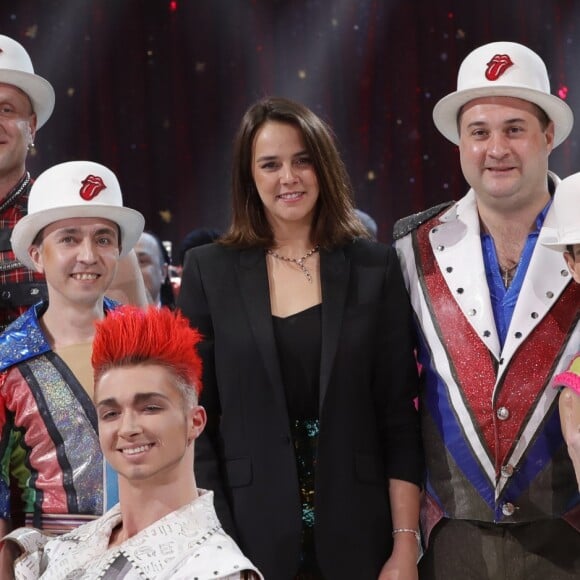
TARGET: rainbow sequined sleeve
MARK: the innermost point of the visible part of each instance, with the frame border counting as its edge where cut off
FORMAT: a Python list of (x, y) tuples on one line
[(5, 454)]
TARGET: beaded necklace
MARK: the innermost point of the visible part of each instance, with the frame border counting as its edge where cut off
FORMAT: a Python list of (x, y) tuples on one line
[(298, 261)]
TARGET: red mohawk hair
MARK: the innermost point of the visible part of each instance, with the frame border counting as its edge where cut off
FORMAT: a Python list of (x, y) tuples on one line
[(130, 336)]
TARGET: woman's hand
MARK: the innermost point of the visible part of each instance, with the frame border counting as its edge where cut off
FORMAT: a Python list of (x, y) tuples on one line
[(402, 565)]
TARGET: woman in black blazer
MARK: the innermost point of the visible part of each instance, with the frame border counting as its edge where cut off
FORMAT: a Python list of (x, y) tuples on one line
[(312, 444)]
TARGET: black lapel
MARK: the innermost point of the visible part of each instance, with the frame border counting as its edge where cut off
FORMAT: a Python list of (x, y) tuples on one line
[(334, 273), (256, 297)]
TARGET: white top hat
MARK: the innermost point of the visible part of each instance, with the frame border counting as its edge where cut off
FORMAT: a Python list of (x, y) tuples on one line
[(566, 206), (16, 69), (503, 69), (75, 189)]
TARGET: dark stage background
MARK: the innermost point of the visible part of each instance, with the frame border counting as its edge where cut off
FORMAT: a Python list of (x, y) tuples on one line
[(155, 89)]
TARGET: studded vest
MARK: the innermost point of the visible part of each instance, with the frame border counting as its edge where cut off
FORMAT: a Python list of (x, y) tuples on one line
[(491, 428)]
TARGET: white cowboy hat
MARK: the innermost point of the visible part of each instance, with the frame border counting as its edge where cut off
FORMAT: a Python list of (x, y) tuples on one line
[(566, 207), (503, 69), (75, 189), (16, 69)]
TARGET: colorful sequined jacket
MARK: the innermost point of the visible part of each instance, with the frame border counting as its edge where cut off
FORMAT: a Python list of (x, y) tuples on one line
[(48, 430), (185, 544), (491, 429)]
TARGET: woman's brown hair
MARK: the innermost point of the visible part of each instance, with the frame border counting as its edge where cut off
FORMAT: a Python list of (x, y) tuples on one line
[(335, 222)]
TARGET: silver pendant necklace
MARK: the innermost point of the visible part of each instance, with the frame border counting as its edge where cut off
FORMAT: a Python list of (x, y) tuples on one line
[(15, 193), (508, 274), (298, 261)]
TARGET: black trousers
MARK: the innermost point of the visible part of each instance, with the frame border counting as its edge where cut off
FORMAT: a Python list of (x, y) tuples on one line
[(466, 550)]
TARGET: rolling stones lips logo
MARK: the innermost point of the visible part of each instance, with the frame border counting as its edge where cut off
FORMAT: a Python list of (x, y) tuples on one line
[(497, 66), (92, 185)]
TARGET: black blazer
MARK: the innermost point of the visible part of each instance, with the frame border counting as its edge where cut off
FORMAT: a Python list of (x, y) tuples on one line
[(368, 424)]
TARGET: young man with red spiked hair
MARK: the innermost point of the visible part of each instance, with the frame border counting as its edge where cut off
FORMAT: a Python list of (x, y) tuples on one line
[(147, 384)]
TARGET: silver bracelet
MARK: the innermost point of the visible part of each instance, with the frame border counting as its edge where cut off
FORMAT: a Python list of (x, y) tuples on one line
[(409, 531), (417, 537)]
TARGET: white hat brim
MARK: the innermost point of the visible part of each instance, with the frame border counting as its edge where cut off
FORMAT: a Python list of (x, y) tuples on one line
[(130, 222), (447, 109), (38, 90), (555, 241)]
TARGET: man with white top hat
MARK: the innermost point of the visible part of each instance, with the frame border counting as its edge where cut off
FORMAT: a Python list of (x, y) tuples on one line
[(497, 318), (75, 232), (26, 103)]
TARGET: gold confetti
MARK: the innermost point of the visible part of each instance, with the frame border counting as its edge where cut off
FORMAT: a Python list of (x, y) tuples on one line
[(166, 215)]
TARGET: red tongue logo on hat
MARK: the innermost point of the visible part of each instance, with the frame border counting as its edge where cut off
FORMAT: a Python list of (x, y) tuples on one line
[(92, 186), (497, 66)]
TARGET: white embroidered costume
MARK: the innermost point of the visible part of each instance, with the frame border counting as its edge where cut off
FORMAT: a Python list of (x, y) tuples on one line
[(188, 543)]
